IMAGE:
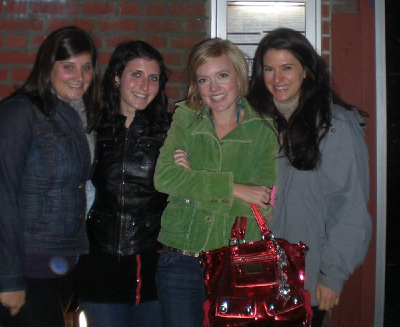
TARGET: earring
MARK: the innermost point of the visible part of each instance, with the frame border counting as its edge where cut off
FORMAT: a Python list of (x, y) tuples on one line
[(239, 103)]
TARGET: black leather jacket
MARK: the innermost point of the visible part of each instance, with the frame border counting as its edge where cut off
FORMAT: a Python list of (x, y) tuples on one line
[(126, 213)]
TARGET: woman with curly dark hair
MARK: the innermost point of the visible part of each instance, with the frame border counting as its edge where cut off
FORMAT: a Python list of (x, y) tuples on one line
[(116, 281), (323, 163)]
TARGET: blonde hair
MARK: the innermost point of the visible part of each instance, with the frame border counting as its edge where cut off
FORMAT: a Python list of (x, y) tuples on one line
[(204, 52)]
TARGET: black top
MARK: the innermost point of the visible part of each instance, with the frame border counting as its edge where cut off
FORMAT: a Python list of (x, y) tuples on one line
[(124, 221)]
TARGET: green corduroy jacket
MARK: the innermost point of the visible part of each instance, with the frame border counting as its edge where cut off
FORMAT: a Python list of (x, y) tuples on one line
[(201, 208)]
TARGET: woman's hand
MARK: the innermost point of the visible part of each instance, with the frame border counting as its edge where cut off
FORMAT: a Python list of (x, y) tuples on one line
[(259, 195), (326, 297), (13, 301), (180, 158)]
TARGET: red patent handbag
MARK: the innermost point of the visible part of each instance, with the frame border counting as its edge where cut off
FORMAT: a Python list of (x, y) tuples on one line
[(257, 283)]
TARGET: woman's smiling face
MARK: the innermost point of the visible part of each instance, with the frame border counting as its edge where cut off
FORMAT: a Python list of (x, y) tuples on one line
[(283, 74), (218, 84), (139, 84), (72, 77)]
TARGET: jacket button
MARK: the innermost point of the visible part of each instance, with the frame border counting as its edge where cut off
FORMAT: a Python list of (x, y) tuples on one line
[(81, 185), (208, 219), (82, 216)]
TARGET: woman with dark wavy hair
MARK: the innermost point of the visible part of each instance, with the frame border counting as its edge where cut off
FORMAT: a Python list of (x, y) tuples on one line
[(323, 163), (46, 153), (116, 281)]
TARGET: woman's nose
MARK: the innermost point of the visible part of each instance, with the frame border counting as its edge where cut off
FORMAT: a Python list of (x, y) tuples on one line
[(81, 75), (277, 77), (145, 84), (213, 85)]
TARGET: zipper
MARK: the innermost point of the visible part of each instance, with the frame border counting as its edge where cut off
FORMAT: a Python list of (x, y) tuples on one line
[(120, 253), (254, 258)]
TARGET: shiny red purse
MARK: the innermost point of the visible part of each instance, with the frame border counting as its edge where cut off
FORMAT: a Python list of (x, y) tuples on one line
[(257, 283)]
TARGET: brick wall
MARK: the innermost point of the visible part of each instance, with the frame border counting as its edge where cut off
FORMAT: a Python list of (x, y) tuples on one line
[(329, 7), (170, 26)]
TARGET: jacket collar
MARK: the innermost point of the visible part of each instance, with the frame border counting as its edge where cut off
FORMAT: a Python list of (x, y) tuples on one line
[(203, 125)]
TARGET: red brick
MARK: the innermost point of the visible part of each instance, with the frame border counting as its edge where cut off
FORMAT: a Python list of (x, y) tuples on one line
[(118, 25), (67, 8), (17, 57), (1, 41), (3, 74), (346, 7), (98, 9), (86, 24), (20, 74), (176, 76), (326, 46), (157, 41), (172, 59), (194, 26), (104, 58), (17, 41), (21, 24), (55, 23), (325, 10), (155, 9), (160, 26), (185, 42), (197, 9), (326, 58), (16, 7), (326, 27), (172, 92), (38, 40), (98, 42), (113, 41), (6, 90), (131, 9)]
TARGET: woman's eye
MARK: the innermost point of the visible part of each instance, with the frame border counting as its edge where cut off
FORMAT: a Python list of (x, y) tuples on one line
[(68, 66), (154, 78), (201, 81), (287, 67), (87, 67), (267, 69), (224, 75)]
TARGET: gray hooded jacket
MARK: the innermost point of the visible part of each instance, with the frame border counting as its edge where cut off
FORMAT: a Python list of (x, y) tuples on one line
[(326, 208)]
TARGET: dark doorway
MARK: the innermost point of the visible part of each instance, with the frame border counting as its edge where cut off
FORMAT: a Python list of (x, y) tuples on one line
[(392, 289)]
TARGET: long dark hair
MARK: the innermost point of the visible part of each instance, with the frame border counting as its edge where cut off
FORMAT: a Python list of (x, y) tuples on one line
[(308, 125), (156, 111), (62, 44)]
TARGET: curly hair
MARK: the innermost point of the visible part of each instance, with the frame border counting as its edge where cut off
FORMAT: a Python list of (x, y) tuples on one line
[(156, 111)]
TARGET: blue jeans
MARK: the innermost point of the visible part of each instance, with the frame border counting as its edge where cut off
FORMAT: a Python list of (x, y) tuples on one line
[(146, 314), (180, 289)]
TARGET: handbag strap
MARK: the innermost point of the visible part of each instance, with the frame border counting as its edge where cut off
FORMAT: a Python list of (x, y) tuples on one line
[(238, 230), (260, 220)]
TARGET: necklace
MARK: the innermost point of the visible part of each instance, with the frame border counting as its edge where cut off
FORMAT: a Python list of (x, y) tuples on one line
[(240, 107)]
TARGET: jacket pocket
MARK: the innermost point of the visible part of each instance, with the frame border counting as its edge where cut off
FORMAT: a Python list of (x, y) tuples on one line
[(178, 217)]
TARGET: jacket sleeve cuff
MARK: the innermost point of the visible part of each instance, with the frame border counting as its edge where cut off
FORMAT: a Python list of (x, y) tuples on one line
[(12, 283), (333, 284)]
